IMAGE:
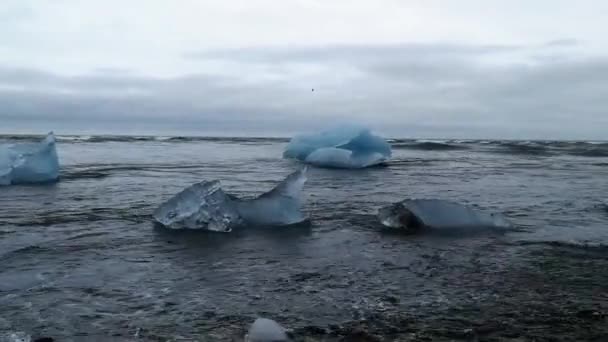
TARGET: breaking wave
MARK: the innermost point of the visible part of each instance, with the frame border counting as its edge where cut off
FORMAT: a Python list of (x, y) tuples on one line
[(102, 171), (531, 148), (430, 145), (524, 148)]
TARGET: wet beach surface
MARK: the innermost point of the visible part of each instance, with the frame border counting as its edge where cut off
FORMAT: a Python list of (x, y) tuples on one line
[(81, 260)]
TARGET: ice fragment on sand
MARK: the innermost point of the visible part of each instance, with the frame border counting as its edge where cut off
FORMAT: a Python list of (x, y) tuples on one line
[(416, 214), (29, 162), (202, 205), (205, 205), (350, 147), (279, 206)]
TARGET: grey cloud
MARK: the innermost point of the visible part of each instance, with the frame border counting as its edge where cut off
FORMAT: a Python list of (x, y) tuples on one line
[(348, 53), (565, 42), (413, 90)]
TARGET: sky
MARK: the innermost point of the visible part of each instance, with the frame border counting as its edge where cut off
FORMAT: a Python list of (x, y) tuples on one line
[(407, 68)]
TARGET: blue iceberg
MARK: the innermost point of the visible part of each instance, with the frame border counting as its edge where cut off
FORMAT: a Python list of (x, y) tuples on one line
[(349, 147), (29, 162), (206, 206)]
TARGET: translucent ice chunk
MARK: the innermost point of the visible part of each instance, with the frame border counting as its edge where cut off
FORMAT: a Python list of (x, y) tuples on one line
[(266, 330), (350, 146), (203, 205), (15, 337), (29, 162), (6, 166), (416, 214), (206, 206), (279, 206)]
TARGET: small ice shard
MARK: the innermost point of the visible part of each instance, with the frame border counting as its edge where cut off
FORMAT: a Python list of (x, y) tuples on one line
[(350, 147), (266, 330), (202, 205), (416, 214), (29, 162), (205, 205)]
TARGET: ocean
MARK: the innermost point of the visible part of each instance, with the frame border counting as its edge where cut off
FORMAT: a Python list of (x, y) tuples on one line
[(80, 260)]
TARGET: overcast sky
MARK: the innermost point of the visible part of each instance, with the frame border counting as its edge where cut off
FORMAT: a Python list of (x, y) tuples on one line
[(426, 68)]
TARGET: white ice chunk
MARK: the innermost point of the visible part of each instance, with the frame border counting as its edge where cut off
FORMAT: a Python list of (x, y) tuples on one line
[(266, 330), (280, 206), (415, 214), (202, 205), (350, 147), (29, 162), (206, 206)]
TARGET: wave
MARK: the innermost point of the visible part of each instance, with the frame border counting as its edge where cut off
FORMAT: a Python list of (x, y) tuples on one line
[(30, 249), (134, 213), (524, 148), (412, 162), (546, 148), (598, 247), (106, 170), (590, 152), (531, 148), (21, 138), (430, 146)]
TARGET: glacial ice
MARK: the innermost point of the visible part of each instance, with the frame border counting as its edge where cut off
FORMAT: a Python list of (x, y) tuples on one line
[(350, 147), (416, 214), (201, 205), (266, 330), (206, 206), (29, 162), (277, 207)]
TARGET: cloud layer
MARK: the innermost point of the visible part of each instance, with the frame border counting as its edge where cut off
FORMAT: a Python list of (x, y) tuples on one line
[(440, 90), (429, 68)]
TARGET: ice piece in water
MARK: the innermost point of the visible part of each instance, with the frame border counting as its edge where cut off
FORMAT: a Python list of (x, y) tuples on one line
[(202, 205), (349, 147), (15, 337), (6, 166), (29, 162), (205, 205), (279, 206), (266, 330), (417, 214)]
